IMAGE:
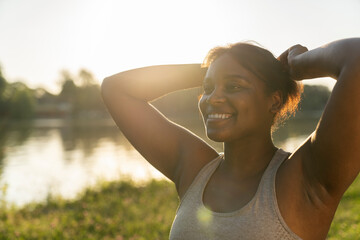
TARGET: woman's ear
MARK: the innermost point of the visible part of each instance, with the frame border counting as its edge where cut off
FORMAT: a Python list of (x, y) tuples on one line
[(276, 102)]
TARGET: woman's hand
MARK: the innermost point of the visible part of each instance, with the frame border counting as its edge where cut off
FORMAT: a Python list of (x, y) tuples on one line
[(289, 60)]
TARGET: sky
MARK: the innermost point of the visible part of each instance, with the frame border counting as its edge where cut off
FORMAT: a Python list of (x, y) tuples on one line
[(40, 38)]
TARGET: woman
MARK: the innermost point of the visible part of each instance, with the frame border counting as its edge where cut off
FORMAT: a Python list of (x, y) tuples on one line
[(253, 190)]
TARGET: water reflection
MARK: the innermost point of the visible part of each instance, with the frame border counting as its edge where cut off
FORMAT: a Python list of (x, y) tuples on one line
[(12, 135), (63, 157), (294, 132)]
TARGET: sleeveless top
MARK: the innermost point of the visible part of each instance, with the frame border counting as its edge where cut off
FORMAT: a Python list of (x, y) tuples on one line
[(260, 218)]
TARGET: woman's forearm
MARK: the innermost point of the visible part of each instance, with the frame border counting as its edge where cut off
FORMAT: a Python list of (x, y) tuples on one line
[(149, 83), (326, 61)]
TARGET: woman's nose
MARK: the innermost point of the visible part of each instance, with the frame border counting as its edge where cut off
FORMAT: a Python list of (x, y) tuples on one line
[(216, 96)]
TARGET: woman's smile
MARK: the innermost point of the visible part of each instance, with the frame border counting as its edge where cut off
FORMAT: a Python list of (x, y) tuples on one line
[(219, 116), (216, 118)]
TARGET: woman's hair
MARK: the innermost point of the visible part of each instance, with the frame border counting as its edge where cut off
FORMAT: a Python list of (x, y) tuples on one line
[(268, 69)]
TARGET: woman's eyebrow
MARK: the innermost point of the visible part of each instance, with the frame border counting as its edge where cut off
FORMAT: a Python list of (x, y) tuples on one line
[(228, 77), (235, 76)]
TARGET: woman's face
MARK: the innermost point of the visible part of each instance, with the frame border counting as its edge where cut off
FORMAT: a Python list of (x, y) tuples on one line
[(235, 103)]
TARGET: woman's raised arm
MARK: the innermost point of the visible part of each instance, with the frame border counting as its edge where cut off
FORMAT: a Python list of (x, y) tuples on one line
[(333, 151), (168, 147)]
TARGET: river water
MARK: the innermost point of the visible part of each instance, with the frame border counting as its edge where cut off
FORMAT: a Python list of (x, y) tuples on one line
[(62, 157)]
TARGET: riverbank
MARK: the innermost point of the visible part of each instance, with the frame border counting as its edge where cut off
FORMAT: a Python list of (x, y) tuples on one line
[(117, 210), (125, 210)]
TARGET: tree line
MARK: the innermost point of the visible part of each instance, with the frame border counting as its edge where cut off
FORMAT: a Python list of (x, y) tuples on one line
[(80, 97)]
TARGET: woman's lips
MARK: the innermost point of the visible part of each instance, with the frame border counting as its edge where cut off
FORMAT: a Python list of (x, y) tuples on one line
[(218, 117)]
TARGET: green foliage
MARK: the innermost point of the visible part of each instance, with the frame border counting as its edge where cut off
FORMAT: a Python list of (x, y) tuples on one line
[(22, 102), (2, 83), (3, 105), (68, 91), (119, 210), (124, 210), (86, 78), (17, 101), (346, 224), (81, 94), (79, 97)]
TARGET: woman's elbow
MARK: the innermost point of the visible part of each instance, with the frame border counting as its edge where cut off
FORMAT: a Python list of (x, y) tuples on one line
[(114, 90), (105, 87), (110, 87)]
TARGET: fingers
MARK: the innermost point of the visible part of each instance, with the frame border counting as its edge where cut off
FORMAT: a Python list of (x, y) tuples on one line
[(295, 51), (288, 58), (283, 58), (290, 53)]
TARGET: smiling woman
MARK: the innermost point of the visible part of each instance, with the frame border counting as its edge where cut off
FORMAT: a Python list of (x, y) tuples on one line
[(259, 64), (253, 190)]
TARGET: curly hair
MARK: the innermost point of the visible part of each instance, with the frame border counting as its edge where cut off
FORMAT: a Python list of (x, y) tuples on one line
[(268, 69)]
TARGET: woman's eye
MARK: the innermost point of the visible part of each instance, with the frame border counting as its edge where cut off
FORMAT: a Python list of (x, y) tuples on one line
[(234, 87)]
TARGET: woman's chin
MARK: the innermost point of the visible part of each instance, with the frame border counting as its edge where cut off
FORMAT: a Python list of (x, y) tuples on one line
[(216, 137)]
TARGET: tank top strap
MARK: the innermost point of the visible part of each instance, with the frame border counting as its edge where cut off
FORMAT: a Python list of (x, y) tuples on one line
[(267, 182), (266, 199), (279, 157), (201, 179)]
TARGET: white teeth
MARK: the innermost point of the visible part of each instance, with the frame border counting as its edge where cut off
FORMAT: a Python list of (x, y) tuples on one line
[(219, 116)]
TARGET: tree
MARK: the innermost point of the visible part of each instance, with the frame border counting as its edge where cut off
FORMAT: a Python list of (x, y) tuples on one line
[(17, 101), (68, 86), (22, 101), (86, 78), (84, 98), (2, 83)]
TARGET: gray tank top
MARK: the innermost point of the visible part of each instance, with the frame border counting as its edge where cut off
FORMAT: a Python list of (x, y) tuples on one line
[(260, 218)]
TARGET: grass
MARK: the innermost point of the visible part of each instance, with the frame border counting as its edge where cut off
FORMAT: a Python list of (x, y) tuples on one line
[(123, 210), (118, 210), (346, 224)]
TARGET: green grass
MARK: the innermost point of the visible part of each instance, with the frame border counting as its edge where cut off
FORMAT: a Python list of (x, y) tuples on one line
[(346, 224), (123, 210), (118, 210)]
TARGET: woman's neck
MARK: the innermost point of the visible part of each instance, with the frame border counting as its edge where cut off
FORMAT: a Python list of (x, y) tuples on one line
[(249, 156)]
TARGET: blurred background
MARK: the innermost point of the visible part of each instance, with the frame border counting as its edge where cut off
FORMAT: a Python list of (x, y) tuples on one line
[(56, 136)]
